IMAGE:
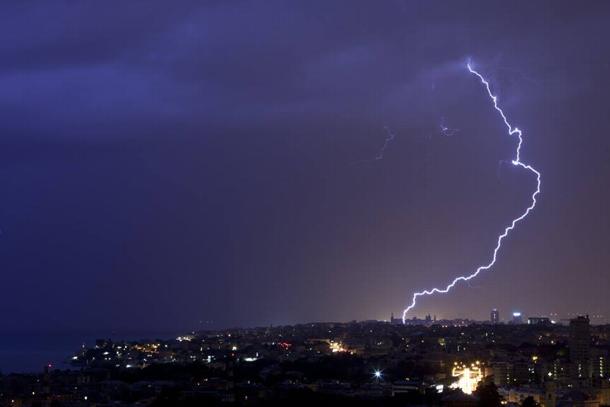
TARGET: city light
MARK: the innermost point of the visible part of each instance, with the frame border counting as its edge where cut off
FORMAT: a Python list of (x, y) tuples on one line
[(468, 377), (377, 374), (336, 347)]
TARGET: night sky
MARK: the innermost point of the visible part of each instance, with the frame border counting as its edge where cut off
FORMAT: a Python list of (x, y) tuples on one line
[(169, 166)]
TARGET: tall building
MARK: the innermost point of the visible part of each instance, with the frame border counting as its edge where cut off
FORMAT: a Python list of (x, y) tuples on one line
[(580, 352), (517, 318), (600, 366), (495, 316)]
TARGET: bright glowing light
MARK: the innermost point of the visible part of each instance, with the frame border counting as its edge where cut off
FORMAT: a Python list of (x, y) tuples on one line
[(516, 314), (468, 377), (377, 374), (512, 131), (336, 347)]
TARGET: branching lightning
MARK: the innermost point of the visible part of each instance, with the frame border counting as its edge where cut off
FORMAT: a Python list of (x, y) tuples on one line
[(447, 131), (389, 137), (512, 131), (380, 154)]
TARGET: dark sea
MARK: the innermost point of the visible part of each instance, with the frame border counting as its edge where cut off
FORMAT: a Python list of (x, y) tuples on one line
[(29, 353)]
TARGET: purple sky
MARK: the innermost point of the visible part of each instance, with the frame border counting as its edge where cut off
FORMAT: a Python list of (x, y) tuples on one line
[(162, 165)]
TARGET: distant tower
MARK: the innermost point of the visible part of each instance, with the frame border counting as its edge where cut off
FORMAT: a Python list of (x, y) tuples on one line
[(495, 316), (517, 318), (580, 351)]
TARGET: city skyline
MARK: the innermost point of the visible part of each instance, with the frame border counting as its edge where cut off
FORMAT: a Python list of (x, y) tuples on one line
[(368, 363)]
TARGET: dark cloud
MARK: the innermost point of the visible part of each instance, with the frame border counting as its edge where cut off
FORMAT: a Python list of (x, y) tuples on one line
[(163, 164)]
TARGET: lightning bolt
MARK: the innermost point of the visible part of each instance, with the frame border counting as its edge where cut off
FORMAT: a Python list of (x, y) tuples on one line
[(512, 131), (389, 137), (447, 131)]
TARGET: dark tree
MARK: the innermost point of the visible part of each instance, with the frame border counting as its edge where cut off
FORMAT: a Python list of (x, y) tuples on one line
[(529, 402), (488, 395)]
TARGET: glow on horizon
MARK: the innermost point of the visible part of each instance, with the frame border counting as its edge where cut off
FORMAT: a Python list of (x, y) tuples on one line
[(516, 162)]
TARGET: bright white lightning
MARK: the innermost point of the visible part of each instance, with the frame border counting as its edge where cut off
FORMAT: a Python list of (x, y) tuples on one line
[(517, 162)]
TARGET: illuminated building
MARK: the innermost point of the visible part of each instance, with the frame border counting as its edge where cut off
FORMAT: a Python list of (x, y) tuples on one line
[(502, 374), (514, 373), (580, 351), (517, 318), (336, 347), (518, 395), (538, 321), (600, 359), (495, 316), (468, 377)]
